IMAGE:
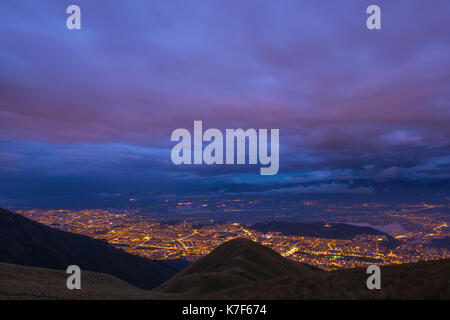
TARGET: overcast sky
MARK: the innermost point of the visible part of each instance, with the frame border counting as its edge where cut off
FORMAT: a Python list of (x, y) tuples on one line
[(93, 109)]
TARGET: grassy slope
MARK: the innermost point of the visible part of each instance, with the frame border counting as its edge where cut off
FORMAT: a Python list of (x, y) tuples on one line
[(239, 269), (234, 263), (21, 282), (29, 243), (423, 280)]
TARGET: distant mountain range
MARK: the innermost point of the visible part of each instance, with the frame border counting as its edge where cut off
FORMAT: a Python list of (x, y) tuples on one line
[(443, 243), (26, 242), (315, 230), (322, 230), (237, 269)]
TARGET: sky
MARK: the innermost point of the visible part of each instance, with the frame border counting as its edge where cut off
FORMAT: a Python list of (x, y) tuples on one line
[(91, 111)]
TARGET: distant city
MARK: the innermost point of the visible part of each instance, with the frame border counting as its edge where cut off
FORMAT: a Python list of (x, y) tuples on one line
[(163, 232)]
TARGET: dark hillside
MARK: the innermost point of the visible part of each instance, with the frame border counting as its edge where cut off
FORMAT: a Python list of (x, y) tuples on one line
[(29, 243)]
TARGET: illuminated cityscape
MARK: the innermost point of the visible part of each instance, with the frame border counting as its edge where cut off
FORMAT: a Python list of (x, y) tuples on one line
[(413, 226)]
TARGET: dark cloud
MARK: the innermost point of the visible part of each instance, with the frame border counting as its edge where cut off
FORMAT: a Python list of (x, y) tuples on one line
[(102, 101)]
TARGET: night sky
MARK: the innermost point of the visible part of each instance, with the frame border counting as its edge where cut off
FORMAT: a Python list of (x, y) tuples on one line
[(90, 111)]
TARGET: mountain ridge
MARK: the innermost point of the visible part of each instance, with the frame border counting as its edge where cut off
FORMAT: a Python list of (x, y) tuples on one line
[(234, 262), (27, 242), (236, 269)]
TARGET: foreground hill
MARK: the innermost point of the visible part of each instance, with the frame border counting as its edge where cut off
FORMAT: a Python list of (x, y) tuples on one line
[(242, 269), (23, 283), (422, 280), (29, 243), (235, 271), (234, 263)]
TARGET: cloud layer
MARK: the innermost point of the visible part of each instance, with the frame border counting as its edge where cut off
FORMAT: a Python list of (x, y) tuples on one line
[(102, 101)]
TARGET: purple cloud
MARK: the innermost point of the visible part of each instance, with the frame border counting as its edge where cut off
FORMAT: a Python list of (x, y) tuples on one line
[(349, 102)]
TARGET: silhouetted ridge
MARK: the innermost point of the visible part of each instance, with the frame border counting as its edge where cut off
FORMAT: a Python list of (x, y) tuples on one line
[(443, 243), (233, 263), (26, 242), (322, 230), (228, 272)]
